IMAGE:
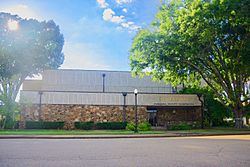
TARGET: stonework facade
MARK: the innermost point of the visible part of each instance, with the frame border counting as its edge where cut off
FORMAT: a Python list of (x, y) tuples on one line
[(170, 115), (83, 113)]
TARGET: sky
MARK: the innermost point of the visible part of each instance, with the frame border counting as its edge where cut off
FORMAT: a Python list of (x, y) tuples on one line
[(98, 34)]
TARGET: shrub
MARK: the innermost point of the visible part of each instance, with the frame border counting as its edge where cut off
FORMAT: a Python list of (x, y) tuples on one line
[(215, 110), (130, 126), (197, 124), (144, 126), (16, 126), (53, 125), (34, 125), (44, 125), (84, 125), (111, 125), (12, 125), (230, 123), (181, 127)]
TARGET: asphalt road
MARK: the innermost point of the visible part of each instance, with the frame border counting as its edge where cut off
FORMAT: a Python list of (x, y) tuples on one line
[(231, 151)]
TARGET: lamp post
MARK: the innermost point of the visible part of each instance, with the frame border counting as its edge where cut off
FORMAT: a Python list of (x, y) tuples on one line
[(136, 116), (202, 107)]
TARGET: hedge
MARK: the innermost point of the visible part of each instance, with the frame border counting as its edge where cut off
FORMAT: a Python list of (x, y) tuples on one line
[(44, 125), (181, 127), (111, 125), (84, 125)]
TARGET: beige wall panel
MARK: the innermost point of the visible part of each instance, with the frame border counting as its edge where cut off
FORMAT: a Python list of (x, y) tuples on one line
[(32, 85), (87, 80), (110, 99)]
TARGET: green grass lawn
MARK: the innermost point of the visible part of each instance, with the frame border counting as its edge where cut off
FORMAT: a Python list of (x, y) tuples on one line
[(74, 132), (117, 132), (215, 130)]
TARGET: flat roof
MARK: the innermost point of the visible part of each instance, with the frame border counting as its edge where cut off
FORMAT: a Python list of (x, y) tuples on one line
[(65, 69)]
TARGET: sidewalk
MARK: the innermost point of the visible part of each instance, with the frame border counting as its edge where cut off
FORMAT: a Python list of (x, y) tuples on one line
[(169, 134)]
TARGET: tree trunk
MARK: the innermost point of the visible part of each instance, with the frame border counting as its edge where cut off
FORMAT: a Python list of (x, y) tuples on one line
[(238, 118), (4, 122)]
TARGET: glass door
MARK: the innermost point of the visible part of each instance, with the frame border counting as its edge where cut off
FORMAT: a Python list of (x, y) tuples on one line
[(152, 117)]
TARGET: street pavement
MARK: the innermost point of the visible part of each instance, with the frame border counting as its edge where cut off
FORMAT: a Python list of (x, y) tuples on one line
[(210, 151)]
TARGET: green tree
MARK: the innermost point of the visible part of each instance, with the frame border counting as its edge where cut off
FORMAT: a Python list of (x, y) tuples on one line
[(214, 111), (27, 47), (199, 39)]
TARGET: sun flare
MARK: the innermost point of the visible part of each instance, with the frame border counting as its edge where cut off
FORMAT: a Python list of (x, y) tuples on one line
[(13, 25)]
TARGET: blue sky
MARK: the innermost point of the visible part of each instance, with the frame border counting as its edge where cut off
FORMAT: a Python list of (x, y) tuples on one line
[(98, 33)]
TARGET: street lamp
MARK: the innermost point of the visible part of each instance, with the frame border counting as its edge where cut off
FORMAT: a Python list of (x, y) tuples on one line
[(136, 116)]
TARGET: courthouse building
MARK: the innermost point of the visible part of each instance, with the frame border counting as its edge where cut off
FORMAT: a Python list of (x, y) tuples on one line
[(104, 96)]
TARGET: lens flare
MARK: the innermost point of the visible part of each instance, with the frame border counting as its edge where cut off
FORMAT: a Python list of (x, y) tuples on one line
[(12, 25)]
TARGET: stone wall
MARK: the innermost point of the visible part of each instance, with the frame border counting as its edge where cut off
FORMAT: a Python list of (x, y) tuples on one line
[(178, 115), (83, 113)]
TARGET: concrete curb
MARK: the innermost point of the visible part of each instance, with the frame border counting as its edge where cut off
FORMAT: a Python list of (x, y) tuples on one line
[(210, 134), (116, 136), (80, 136)]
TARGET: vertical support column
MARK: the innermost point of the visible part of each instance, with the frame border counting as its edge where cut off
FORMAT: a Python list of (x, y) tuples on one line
[(40, 105), (124, 107), (103, 82)]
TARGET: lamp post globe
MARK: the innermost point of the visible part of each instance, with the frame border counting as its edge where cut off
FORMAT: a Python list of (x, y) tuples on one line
[(135, 91)]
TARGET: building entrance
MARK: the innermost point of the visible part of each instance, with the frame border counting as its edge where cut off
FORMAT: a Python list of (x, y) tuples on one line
[(152, 117)]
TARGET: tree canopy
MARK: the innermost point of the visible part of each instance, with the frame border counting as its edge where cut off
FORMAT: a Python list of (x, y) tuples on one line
[(27, 47), (214, 111), (199, 39)]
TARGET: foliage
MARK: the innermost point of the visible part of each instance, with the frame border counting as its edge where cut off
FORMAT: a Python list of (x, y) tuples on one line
[(8, 113), (84, 125), (130, 126), (34, 125), (111, 125), (194, 39), (12, 124), (28, 50), (53, 125), (144, 126), (197, 124), (181, 127), (214, 112), (43, 125)]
